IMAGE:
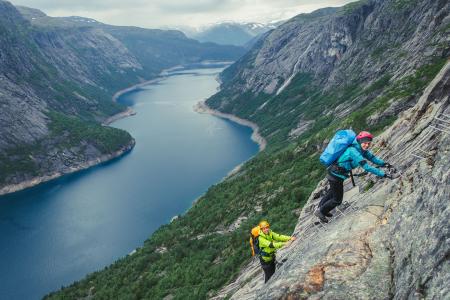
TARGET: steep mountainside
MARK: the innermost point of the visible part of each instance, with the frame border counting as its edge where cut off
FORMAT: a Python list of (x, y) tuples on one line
[(43, 81), (57, 81), (389, 241), (361, 65), (317, 69)]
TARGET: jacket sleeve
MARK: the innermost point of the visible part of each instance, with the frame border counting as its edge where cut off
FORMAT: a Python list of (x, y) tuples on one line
[(361, 162), (372, 170), (376, 160), (278, 245), (280, 238), (263, 243)]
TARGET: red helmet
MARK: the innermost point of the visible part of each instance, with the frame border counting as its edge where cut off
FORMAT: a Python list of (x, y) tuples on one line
[(364, 136)]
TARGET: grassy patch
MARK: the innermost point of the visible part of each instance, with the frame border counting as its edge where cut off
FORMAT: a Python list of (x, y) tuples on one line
[(18, 160), (352, 6), (403, 4), (378, 85)]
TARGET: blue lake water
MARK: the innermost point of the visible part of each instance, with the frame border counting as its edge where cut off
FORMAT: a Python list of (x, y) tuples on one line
[(56, 233)]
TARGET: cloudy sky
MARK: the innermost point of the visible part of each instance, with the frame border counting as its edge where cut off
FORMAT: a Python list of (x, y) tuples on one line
[(176, 13)]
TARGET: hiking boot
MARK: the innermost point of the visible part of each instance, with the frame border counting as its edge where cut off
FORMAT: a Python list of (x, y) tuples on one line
[(328, 214), (321, 216)]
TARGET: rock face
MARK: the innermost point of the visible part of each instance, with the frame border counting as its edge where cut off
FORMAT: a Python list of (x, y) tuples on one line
[(393, 240), (57, 78), (41, 75), (338, 60)]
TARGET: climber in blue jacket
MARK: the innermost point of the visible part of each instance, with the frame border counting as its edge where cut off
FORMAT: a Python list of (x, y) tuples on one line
[(356, 155)]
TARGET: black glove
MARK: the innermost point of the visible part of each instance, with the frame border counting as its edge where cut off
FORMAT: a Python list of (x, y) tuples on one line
[(390, 167), (391, 175)]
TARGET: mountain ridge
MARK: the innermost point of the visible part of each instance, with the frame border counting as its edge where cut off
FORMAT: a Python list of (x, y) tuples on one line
[(333, 52)]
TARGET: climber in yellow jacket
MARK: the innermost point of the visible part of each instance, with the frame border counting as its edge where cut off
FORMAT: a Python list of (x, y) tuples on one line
[(269, 242)]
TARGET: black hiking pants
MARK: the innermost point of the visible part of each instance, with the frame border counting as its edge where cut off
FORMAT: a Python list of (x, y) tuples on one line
[(268, 268), (334, 195)]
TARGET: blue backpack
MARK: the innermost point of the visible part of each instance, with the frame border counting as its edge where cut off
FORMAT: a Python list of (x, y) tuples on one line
[(340, 141)]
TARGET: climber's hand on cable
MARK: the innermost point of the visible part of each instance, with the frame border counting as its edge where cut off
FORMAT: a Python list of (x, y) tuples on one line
[(391, 175), (388, 165), (288, 243), (391, 168)]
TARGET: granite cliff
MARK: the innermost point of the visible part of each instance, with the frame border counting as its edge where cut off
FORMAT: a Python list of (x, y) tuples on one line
[(57, 78), (376, 63), (320, 67), (389, 241)]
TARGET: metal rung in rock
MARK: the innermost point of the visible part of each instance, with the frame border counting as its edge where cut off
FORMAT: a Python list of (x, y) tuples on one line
[(444, 126), (340, 212), (412, 146), (322, 226), (440, 129), (417, 156), (442, 120), (423, 151)]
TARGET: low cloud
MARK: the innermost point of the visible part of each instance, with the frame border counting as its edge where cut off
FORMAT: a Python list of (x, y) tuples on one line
[(173, 13)]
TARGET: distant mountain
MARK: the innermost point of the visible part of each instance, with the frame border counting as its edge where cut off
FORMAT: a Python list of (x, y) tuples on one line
[(155, 49), (57, 79), (231, 33)]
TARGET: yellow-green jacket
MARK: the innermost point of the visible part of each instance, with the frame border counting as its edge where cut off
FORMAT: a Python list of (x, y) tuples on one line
[(269, 243)]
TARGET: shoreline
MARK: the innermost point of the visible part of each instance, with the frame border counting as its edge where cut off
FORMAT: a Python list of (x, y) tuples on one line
[(128, 112), (12, 188), (160, 77), (202, 108), (124, 114), (17, 187)]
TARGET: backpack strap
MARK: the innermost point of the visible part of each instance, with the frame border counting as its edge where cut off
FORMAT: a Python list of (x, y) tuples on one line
[(252, 246), (337, 168), (353, 180)]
